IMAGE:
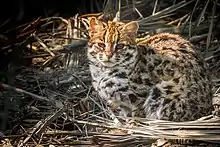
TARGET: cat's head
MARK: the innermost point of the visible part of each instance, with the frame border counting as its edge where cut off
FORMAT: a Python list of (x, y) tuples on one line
[(112, 43)]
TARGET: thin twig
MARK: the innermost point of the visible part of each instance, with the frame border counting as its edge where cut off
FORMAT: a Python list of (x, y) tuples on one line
[(211, 25), (40, 98), (44, 45)]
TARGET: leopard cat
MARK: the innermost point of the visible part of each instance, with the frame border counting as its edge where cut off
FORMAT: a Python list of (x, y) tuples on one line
[(160, 77)]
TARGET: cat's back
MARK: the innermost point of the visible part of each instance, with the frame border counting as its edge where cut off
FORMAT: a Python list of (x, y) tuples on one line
[(172, 68), (171, 49), (170, 45)]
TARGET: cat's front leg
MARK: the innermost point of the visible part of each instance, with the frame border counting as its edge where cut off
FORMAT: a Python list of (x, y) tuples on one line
[(121, 105)]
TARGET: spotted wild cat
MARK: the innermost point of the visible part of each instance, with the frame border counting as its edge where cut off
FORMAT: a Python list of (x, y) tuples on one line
[(161, 77)]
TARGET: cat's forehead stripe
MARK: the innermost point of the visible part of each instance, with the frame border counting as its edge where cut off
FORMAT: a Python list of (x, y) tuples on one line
[(112, 33)]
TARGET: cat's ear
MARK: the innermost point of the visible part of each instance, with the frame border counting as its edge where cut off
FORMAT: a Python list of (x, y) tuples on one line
[(95, 25), (131, 27)]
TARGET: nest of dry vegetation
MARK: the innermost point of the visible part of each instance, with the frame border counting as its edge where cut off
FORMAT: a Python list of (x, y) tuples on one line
[(46, 94)]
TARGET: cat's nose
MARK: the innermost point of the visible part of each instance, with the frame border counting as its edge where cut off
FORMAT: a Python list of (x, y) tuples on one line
[(108, 54)]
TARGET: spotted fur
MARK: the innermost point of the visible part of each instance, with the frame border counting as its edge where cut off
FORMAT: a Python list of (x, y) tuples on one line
[(162, 77)]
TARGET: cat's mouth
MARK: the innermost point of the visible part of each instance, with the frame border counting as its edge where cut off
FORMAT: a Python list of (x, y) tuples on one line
[(108, 63)]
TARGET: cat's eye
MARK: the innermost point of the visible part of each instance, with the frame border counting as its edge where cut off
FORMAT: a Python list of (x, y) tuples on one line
[(102, 45), (119, 46)]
